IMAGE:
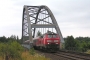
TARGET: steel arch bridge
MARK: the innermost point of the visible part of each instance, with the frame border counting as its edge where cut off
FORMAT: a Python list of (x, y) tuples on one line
[(38, 18)]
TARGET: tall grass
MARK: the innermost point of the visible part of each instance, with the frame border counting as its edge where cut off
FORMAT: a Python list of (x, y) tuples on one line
[(88, 52), (1, 58), (27, 56)]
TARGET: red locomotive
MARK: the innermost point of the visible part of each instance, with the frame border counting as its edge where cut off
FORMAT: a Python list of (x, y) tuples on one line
[(49, 41)]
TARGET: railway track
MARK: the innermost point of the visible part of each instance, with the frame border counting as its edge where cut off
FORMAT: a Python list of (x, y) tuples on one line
[(72, 55), (67, 55)]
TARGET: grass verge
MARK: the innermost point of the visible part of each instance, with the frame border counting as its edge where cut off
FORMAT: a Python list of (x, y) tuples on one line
[(27, 56)]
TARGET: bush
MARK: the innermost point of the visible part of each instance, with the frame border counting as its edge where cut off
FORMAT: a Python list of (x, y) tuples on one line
[(32, 51), (11, 50)]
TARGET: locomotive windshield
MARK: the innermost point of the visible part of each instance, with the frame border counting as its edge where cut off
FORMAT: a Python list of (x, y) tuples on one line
[(52, 36)]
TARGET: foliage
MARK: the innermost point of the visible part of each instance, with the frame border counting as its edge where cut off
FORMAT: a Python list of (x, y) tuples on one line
[(70, 42), (11, 50), (3, 39), (81, 44), (84, 43), (27, 56), (32, 51)]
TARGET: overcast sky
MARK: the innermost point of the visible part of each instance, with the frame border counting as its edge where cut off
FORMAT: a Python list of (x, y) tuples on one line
[(73, 16)]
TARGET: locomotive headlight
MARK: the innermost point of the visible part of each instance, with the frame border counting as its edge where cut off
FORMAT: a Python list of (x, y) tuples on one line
[(49, 41), (56, 41)]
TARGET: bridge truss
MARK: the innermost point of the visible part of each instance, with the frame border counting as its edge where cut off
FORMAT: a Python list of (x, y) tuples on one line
[(38, 18)]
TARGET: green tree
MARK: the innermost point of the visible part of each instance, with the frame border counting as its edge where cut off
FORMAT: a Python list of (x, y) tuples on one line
[(17, 38), (13, 37), (83, 46), (88, 45), (3, 39), (84, 43), (70, 43)]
